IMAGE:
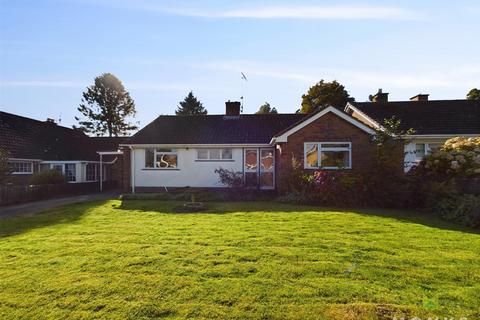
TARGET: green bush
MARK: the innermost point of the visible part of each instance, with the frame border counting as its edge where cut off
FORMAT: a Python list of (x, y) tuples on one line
[(48, 177), (463, 208), (458, 157)]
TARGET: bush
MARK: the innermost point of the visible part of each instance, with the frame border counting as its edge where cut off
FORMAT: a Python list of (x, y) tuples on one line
[(48, 177), (458, 157), (230, 178), (462, 208)]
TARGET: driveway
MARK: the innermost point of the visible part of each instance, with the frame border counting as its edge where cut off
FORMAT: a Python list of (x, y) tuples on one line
[(31, 208)]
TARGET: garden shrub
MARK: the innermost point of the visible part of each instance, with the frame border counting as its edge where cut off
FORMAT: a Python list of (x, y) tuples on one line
[(460, 208), (458, 157), (48, 177), (230, 178)]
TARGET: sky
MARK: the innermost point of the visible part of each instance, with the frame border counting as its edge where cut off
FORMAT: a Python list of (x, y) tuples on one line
[(51, 50)]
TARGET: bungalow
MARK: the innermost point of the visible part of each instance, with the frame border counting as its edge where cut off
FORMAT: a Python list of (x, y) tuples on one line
[(184, 151), (433, 121), (43, 145)]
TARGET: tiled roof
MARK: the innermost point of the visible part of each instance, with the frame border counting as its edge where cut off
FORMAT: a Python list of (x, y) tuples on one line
[(214, 129), (428, 117), (27, 138)]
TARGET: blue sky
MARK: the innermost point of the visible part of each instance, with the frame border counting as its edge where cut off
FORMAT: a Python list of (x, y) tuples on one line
[(50, 50)]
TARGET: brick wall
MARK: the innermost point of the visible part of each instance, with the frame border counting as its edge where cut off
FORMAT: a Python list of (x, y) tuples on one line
[(328, 128)]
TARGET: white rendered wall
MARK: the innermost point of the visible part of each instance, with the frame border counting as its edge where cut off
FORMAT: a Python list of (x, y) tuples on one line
[(190, 172)]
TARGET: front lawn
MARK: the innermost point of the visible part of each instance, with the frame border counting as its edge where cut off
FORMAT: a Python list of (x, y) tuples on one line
[(263, 260)]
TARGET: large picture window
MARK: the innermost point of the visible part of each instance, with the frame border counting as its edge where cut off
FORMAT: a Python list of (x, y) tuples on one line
[(21, 167), (214, 154), (161, 158), (328, 155)]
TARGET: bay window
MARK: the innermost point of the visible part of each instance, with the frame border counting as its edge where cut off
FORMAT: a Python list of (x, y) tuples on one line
[(328, 155)]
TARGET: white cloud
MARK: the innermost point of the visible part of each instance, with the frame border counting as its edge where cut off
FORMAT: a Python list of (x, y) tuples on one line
[(456, 77), (339, 12)]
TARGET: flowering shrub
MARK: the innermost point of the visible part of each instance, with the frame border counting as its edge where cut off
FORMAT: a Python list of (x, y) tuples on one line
[(457, 157)]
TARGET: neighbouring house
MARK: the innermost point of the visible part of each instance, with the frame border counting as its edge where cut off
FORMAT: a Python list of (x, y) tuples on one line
[(433, 121), (184, 151), (43, 145)]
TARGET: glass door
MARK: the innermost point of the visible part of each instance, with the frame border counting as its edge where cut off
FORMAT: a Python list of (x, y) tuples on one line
[(267, 168), (251, 168)]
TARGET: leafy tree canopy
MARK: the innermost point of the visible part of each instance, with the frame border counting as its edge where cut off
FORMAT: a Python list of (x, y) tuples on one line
[(473, 94), (266, 109), (105, 107), (190, 106), (324, 94)]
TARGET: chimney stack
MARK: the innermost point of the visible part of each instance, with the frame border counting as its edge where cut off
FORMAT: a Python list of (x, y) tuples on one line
[(380, 96), (420, 97), (50, 120), (232, 108)]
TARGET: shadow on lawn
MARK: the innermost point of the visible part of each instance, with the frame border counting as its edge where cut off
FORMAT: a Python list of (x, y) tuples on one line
[(409, 216), (61, 215)]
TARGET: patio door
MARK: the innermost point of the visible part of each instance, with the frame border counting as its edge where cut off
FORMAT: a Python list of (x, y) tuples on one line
[(267, 168), (259, 168)]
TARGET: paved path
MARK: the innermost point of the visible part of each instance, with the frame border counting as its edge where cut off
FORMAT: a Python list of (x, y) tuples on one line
[(31, 208)]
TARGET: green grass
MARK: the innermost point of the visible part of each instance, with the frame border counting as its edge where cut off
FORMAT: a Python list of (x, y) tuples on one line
[(263, 260)]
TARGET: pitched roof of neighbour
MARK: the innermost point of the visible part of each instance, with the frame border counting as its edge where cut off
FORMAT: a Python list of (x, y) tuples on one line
[(27, 138), (215, 129), (447, 117)]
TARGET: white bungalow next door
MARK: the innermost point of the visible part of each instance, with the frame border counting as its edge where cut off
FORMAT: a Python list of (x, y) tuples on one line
[(259, 167)]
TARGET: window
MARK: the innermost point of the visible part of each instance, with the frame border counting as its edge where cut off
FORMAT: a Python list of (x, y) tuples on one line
[(91, 172), (420, 149), (21, 167), (433, 147), (328, 155), (70, 171), (214, 154), (44, 167), (161, 158)]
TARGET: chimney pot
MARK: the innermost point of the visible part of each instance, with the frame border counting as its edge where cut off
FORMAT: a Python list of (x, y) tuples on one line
[(420, 97), (232, 108), (380, 96), (50, 120)]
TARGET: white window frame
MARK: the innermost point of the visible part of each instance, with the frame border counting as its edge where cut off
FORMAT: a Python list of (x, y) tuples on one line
[(323, 146), (95, 171), (209, 159), (23, 162), (427, 148), (155, 153)]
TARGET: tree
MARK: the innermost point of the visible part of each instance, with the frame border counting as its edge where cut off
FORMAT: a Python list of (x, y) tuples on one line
[(105, 107), (473, 94), (266, 109), (324, 94), (190, 106), (5, 168)]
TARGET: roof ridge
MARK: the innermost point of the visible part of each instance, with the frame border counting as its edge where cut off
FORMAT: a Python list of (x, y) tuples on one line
[(39, 121)]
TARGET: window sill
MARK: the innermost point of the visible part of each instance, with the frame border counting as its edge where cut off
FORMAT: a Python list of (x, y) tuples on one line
[(328, 168), (160, 169), (20, 173), (214, 160)]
